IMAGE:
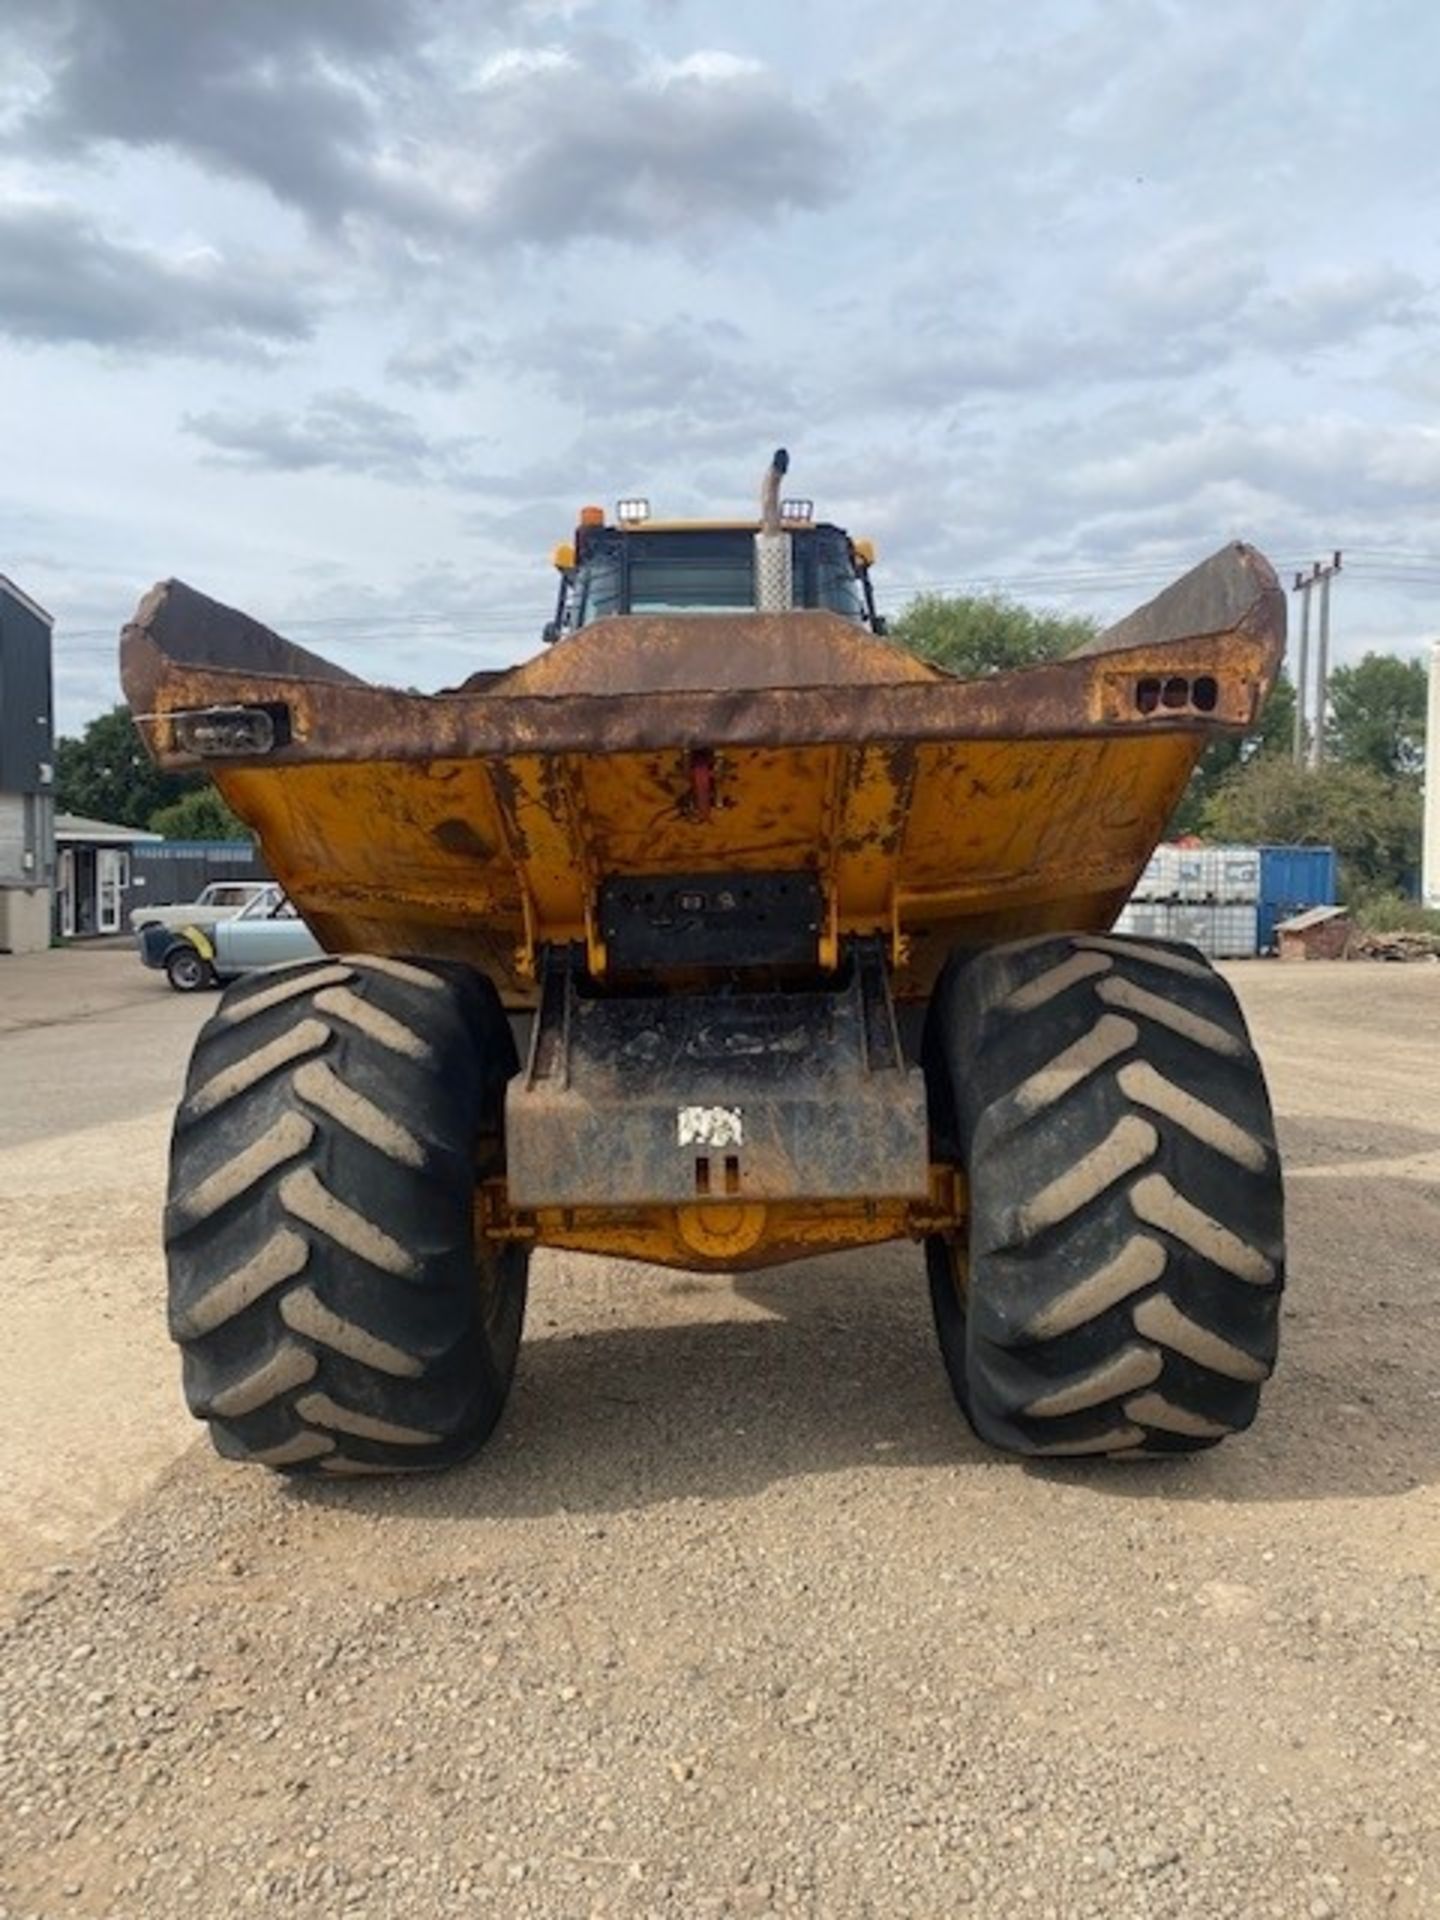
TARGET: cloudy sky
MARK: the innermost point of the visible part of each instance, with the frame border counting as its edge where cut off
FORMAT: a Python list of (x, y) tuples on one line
[(338, 309)]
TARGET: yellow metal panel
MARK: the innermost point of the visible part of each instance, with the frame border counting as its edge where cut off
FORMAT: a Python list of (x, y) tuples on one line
[(870, 808), (766, 813), (728, 1238), (430, 828), (782, 1235), (489, 858), (1007, 815), (389, 856), (547, 832)]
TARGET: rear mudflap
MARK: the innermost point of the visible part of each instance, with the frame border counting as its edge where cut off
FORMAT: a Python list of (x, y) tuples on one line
[(685, 1098)]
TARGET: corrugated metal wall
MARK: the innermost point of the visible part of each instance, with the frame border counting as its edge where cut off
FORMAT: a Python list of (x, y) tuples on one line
[(27, 728), (1291, 879), (165, 872), (27, 744)]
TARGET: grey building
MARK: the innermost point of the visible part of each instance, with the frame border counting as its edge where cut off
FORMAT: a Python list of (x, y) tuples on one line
[(93, 874), (27, 772)]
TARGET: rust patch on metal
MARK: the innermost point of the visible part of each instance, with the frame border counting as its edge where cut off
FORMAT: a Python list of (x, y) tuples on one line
[(655, 653), (459, 837), (1090, 693), (509, 800)]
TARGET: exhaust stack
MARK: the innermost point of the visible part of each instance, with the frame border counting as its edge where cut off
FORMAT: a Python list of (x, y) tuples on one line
[(774, 573)]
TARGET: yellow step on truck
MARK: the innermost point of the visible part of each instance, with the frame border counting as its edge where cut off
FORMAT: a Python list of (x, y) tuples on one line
[(807, 946)]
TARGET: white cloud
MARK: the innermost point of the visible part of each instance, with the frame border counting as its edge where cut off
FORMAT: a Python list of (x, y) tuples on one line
[(707, 65), (1339, 305), (514, 64)]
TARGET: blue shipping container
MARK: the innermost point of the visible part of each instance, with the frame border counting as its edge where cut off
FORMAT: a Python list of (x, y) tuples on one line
[(1291, 879)]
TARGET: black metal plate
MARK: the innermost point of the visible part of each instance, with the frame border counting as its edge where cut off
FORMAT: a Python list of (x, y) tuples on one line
[(651, 921)]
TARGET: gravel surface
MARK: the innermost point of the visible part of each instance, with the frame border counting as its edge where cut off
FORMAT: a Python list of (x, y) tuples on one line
[(735, 1618), (92, 1049)]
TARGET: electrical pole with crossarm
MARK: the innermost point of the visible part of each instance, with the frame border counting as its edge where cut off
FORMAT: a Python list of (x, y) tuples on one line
[(1320, 574)]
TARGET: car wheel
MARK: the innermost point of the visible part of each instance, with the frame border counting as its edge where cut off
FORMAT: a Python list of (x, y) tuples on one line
[(188, 971)]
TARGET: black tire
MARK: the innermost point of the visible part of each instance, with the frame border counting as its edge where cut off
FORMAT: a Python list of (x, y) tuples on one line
[(1120, 1291), (334, 1308), (187, 969)]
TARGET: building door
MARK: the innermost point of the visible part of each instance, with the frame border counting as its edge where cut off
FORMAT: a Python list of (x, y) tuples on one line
[(65, 878), (109, 881)]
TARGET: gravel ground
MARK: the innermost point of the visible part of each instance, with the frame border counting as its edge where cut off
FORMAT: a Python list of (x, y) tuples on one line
[(92, 1048), (735, 1618)]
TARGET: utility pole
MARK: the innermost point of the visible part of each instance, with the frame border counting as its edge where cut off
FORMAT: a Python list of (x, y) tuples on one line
[(1302, 677), (1320, 574), (1322, 659)]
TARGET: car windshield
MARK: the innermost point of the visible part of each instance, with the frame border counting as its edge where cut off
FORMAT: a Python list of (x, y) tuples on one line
[(263, 905)]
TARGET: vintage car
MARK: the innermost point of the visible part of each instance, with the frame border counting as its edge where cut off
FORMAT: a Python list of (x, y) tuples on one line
[(265, 933), (221, 900)]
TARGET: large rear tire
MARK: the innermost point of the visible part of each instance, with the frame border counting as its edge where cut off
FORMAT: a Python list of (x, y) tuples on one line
[(1120, 1290), (334, 1309)]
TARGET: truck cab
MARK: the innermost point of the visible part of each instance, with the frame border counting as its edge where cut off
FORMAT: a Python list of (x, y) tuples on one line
[(633, 564)]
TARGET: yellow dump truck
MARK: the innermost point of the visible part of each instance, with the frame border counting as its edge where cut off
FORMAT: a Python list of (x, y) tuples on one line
[(807, 946)]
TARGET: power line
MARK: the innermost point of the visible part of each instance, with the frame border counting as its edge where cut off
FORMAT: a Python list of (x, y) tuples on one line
[(490, 621)]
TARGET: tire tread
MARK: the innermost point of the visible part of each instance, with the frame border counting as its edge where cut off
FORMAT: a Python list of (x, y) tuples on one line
[(1126, 1248), (320, 1228)]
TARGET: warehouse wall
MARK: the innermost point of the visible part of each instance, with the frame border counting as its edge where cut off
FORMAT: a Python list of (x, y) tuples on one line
[(27, 733), (167, 871), (12, 839), (24, 919), (27, 752)]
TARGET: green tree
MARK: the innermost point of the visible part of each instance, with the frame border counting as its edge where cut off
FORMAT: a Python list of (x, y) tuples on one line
[(1377, 714), (1273, 734), (201, 815), (987, 633), (107, 775), (975, 634), (1372, 822)]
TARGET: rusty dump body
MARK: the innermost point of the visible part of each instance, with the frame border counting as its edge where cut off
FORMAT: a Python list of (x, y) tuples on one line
[(766, 829)]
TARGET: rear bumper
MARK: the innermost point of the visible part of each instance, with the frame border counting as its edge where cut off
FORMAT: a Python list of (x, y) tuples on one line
[(716, 1099)]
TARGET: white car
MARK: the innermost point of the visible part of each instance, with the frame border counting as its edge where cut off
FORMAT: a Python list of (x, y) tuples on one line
[(267, 933), (221, 900)]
